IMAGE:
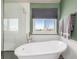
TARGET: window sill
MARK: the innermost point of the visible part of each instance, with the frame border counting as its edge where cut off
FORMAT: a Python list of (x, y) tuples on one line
[(45, 32)]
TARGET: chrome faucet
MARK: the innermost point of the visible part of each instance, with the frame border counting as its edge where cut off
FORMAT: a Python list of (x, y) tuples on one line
[(29, 38)]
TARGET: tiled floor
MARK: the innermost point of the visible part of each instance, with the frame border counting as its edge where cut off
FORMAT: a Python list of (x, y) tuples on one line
[(10, 55)]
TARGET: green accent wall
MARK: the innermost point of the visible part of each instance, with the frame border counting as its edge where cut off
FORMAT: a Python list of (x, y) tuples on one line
[(42, 5), (69, 7)]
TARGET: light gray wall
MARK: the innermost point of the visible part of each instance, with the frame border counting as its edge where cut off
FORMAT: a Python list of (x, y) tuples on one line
[(41, 38), (16, 10), (2, 24), (22, 12)]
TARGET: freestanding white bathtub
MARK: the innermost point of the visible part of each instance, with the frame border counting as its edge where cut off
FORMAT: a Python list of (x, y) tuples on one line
[(41, 50)]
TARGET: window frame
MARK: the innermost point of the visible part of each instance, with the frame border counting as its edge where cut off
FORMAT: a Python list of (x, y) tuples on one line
[(45, 32)]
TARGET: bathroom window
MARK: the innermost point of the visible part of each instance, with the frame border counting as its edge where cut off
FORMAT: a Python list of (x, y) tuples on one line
[(44, 20), (45, 26), (11, 24)]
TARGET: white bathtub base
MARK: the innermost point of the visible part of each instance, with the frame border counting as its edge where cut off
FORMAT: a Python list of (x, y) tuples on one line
[(50, 56)]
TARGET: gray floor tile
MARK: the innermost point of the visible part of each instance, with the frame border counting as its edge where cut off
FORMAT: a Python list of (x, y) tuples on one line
[(8, 55)]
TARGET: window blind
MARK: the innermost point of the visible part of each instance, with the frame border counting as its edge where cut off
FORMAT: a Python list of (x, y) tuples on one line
[(45, 13)]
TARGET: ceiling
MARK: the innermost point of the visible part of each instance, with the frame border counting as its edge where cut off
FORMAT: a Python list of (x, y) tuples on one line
[(34, 1)]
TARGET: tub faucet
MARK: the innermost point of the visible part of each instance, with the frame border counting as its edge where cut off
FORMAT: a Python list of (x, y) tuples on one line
[(29, 38)]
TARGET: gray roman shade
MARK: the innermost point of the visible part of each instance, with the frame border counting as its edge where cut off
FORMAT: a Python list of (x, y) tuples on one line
[(44, 12)]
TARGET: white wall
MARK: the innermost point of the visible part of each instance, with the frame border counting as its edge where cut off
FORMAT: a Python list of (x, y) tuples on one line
[(41, 38), (15, 39), (26, 11), (16, 10)]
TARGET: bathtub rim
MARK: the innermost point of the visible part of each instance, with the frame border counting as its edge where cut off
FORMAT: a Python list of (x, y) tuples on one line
[(40, 53)]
